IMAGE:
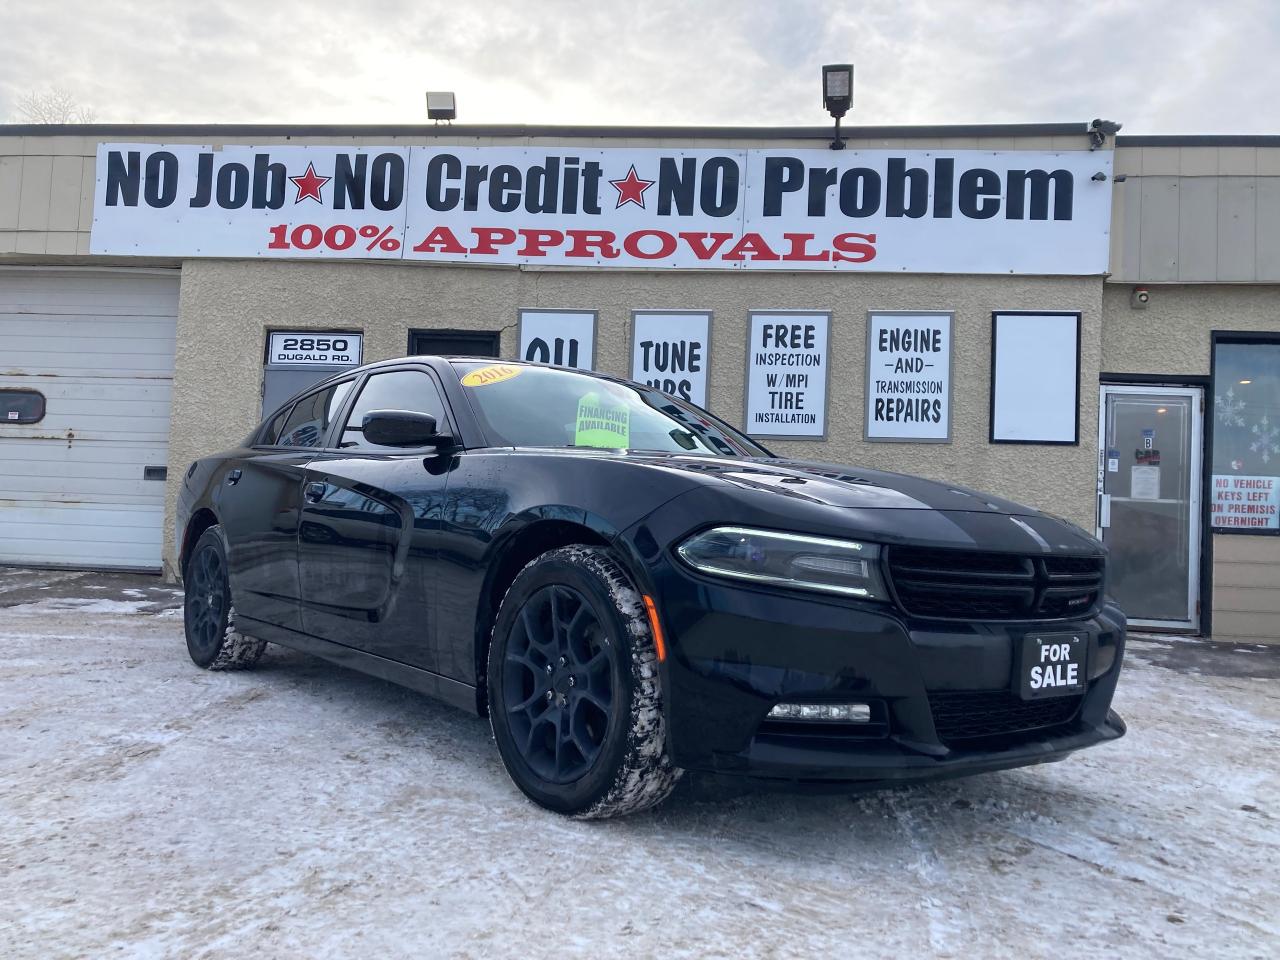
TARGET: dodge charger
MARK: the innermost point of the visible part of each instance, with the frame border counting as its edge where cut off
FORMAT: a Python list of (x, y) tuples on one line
[(629, 588)]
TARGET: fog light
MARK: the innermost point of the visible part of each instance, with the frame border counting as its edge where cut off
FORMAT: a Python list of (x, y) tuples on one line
[(830, 712)]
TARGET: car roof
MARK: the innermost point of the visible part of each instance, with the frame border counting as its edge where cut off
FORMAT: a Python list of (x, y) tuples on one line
[(429, 358)]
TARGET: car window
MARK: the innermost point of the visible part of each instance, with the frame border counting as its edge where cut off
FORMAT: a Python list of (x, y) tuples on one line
[(272, 431), (395, 390), (309, 420), (532, 406)]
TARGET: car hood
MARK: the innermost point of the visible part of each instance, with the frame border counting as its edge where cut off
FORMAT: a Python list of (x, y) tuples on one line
[(836, 485)]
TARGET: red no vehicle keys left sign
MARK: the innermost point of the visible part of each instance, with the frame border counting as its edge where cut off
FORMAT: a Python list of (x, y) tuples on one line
[(884, 210)]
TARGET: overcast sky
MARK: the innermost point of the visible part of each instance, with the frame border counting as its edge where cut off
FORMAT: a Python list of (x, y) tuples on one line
[(1159, 67)]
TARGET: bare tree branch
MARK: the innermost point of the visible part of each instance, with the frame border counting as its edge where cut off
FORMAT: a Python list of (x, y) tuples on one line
[(55, 105)]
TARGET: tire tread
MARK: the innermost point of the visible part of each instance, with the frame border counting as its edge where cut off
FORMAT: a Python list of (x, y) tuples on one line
[(645, 775)]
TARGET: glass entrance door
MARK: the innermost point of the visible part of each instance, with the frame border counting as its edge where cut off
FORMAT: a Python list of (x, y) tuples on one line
[(1149, 465)]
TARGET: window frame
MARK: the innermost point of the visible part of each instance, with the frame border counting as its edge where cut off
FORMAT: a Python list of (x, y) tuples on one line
[(1245, 337), (44, 406), (286, 410), (339, 425)]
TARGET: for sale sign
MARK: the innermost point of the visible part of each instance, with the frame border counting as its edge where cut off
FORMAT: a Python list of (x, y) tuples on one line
[(787, 375), (909, 376), (887, 210)]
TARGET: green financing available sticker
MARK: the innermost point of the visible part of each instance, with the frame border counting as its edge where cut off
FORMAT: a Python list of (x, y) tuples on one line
[(602, 425)]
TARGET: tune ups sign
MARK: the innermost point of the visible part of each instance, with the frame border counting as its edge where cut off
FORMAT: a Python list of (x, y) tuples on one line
[(961, 211)]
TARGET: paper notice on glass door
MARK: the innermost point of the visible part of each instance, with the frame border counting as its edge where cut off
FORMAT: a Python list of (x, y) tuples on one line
[(1144, 483)]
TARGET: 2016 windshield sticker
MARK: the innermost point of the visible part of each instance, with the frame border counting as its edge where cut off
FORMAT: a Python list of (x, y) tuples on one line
[(600, 424), (495, 373)]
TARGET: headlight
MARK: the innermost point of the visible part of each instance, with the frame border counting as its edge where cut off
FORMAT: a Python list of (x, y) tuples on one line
[(847, 567)]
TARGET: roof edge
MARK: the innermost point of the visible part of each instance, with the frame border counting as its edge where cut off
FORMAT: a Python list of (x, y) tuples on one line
[(1200, 140), (445, 131)]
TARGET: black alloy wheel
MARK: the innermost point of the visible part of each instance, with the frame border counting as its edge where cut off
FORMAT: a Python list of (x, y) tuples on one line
[(208, 614), (207, 602), (574, 687), (558, 684)]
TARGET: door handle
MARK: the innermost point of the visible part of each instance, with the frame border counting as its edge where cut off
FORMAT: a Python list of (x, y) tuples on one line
[(233, 478), (313, 492)]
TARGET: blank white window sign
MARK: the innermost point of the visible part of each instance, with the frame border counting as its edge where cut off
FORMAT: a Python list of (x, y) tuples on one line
[(1035, 383)]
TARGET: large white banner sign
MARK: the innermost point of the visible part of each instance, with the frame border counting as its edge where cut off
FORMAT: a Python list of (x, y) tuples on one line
[(958, 211), (787, 364), (671, 350)]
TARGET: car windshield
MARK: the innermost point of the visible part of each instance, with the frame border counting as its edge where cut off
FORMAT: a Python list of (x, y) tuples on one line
[(533, 406)]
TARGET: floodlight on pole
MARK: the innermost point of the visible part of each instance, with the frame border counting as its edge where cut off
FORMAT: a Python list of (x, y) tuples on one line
[(837, 95), (441, 105)]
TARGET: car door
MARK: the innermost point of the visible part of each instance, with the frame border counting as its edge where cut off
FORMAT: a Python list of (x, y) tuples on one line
[(259, 506), (368, 542)]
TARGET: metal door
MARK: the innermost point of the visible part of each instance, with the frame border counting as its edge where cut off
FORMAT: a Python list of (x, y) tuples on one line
[(1149, 475), (84, 483)]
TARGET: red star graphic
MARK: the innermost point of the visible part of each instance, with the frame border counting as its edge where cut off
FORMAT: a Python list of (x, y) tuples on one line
[(631, 188), (309, 185)]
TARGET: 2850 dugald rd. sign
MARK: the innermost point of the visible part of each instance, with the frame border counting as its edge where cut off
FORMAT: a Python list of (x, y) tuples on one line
[(961, 211)]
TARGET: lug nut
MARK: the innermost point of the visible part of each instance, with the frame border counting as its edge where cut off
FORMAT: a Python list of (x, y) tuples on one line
[(571, 681), (563, 661), (550, 694)]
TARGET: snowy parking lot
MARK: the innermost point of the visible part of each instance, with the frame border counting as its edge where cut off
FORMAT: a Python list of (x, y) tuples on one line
[(148, 808)]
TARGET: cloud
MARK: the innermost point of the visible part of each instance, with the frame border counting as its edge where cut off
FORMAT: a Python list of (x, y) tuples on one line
[(1177, 66)]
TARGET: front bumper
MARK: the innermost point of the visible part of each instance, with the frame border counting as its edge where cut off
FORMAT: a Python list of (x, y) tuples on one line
[(734, 651)]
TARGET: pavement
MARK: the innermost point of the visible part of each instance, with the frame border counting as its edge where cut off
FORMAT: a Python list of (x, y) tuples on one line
[(152, 809)]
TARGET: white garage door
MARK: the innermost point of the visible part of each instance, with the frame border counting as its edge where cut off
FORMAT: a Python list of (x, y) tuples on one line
[(99, 347)]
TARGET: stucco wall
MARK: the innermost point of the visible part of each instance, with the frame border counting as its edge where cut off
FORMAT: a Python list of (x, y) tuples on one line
[(1172, 336), (226, 307)]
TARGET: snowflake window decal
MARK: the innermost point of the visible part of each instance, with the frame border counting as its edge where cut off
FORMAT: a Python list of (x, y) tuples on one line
[(1267, 443), (1228, 410)]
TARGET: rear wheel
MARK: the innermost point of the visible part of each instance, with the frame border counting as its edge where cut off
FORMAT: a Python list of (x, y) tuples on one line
[(574, 694), (208, 616)]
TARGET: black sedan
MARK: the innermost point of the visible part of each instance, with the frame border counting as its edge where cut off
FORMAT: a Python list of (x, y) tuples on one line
[(629, 588)]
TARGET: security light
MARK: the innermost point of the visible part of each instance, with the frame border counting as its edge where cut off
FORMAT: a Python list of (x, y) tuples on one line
[(837, 88), (837, 95), (1099, 130), (441, 105)]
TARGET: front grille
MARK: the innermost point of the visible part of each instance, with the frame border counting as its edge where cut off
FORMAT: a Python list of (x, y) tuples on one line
[(967, 585), (977, 715)]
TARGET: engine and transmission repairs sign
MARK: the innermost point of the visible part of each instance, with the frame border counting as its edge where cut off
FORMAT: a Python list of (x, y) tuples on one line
[(787, 375), (909, 376), (961, 211)]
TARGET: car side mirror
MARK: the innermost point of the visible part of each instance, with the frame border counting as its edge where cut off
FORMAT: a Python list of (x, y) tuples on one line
[(402, 428)]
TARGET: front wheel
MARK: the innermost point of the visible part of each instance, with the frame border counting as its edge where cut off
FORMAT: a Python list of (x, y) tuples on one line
[(207, 614), (574, 692)]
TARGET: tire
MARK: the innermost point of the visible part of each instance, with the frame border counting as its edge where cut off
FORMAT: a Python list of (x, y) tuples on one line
[(208, 615), (575, 698)]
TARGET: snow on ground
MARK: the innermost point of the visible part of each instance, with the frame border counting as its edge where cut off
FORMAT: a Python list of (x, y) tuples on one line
[(151, 809)]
